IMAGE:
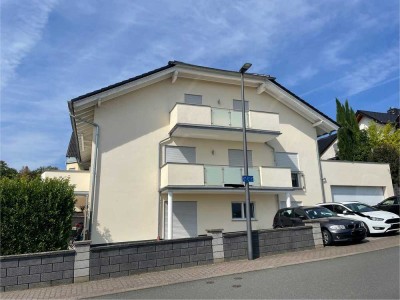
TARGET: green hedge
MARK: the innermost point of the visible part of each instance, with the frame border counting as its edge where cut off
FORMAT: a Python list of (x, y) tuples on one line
[(36, 215)]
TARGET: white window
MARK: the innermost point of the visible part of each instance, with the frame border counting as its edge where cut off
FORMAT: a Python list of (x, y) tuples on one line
[(179, 154), (239, 210), (193, 99), (237, 105), (236, 159), (290, 160)]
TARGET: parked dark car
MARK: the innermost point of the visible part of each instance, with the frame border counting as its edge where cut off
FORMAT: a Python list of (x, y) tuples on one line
[(390, 204), (334, 228)]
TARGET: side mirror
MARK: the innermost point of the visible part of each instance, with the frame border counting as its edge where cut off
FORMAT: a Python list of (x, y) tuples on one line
[(347, 212)]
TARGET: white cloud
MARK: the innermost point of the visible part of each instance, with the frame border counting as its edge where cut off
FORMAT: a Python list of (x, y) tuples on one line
[(25, 21)]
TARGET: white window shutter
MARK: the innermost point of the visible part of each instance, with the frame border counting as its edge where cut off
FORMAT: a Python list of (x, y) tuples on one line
[(287, 160), (185, 155)]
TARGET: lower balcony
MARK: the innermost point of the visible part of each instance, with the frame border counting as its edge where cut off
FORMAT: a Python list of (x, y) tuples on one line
[(211, 176)]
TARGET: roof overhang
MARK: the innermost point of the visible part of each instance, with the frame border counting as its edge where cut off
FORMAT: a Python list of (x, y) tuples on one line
[(83, 107)]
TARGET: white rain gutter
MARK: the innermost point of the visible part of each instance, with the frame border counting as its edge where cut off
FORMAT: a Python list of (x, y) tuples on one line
[(93, 172)]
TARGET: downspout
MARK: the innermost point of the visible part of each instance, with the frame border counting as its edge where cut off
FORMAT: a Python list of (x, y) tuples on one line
[(160, 208), (320, 173), (93, 171)]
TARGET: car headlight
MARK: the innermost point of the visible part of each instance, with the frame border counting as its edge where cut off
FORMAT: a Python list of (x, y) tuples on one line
[(376, 219), (337, 227)]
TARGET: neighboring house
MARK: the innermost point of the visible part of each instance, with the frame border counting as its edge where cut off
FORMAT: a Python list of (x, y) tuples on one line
[(327, 147), (164, 150), (328, 144), (364, 117)]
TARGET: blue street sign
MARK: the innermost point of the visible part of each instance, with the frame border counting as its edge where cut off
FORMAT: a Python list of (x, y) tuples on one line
[(247, 179)]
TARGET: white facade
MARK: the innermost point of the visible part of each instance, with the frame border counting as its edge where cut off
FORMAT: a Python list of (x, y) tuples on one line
[(138, 180)]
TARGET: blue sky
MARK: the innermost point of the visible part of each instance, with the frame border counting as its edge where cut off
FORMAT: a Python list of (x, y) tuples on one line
[(52, 51)]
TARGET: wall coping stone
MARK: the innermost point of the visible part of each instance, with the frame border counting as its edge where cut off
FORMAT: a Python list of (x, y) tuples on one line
[(41, 254), (100, 247), (244, 233)]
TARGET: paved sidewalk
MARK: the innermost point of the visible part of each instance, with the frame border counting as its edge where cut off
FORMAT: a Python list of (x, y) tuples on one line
[(136, 282)]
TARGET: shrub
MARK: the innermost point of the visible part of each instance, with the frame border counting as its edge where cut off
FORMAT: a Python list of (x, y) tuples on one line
[(36, 215)]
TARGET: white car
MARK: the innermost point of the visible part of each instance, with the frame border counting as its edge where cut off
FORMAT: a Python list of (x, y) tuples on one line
[(375, 220)]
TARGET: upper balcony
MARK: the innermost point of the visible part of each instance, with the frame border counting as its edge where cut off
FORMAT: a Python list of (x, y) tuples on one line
[(175, 175), (205, 122)]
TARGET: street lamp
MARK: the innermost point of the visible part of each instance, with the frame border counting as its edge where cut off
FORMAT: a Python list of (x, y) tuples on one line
[(242, 70)]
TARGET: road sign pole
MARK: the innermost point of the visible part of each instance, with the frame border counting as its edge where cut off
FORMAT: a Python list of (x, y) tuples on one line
[(246, 173)]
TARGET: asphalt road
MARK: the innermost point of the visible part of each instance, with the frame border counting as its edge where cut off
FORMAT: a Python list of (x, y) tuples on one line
[(372, 275)]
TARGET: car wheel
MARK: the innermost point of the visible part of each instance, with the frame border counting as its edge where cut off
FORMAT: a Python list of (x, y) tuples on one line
[(326, 237), (367, 233)]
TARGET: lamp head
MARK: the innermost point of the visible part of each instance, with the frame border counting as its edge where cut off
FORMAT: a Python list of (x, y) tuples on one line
[(245, 67)]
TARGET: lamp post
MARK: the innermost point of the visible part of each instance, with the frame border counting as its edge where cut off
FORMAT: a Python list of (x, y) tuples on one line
[(243, 69)]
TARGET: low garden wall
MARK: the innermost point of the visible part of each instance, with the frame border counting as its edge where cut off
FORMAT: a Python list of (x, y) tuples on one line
[(139, 257), (36, 270), (268, 242), (94, 262)]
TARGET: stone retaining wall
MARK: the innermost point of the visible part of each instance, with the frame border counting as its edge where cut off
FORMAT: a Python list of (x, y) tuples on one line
[(268, 242), (139, 257), (93, 262), (36, 270)]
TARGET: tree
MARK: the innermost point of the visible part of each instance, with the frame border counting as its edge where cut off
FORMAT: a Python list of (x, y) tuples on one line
[(386, 153), (375, 144), (348, 133), (6, 171)]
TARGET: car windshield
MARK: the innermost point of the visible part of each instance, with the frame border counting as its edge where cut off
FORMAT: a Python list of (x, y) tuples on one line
[(360, 207), (319, 212)]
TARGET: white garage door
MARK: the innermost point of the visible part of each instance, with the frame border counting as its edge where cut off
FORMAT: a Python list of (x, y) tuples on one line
[(365, 194), (184, 222)]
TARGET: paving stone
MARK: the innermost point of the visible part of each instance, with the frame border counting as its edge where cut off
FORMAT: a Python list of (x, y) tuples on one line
[(188, 251), (40, 269), (107, 253), (137, 257), (8, 281), (163, 247), (109, 269), (29, 262), (16, 287), (165, 261), (119, 274), (180, 245), (154, 255), (130, 250), (129, 266), (28, 278), (145, 249), (63, 266), (8, 263), (17, 271), (120, 259), (147, 264), (51, 276), (68, 274)]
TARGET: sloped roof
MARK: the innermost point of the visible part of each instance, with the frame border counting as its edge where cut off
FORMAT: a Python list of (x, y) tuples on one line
[(72, 147), (379, 117), (325, 142), (82, 107)]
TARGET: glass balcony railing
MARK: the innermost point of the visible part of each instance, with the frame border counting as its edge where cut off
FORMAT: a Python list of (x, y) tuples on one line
[(217, 176), (227, 117), (220, 175)]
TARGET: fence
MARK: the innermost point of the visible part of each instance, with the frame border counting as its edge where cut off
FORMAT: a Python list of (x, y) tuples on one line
[(93, 262)]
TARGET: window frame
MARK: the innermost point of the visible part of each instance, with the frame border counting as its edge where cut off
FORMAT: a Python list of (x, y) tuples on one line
[(186, 94), (246, 105), (243, 211), (299, 176)]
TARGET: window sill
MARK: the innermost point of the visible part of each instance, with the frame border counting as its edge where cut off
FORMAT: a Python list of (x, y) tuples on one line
[(243, 220)]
